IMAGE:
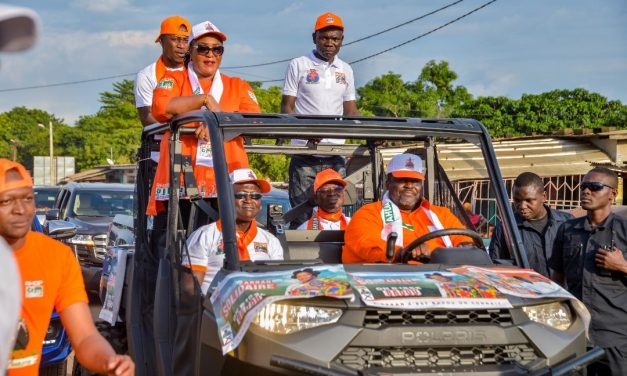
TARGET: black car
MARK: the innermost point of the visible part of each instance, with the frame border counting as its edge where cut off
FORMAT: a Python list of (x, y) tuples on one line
[(91, 207)]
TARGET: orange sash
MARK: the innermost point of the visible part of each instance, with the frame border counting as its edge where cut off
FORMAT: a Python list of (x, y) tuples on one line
[(314, 222), (243, 239)]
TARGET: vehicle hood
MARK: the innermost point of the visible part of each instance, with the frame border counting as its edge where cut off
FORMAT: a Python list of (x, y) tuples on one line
[(91, 225)]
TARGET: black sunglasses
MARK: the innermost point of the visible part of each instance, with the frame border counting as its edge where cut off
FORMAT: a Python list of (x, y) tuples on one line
[(204, 50), (593, 186), (251, 195), (330, 190)]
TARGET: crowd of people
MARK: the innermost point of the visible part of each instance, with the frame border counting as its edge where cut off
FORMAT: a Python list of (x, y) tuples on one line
[(586, 255)]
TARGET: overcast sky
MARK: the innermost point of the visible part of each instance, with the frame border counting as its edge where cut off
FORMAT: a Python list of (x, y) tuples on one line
[(509, 48)]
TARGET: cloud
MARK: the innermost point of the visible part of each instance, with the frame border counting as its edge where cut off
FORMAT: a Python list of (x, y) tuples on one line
[(290, 9), (102, 6)]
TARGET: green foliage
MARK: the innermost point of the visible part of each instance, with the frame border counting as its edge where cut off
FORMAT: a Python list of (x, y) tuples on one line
[(545, 113), (274, 167), (269, 99)]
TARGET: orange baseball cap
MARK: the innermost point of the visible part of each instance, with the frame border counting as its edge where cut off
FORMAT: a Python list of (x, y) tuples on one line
[(327, 176), (175, 25), (407, 166), (7, 165), (328, 19)]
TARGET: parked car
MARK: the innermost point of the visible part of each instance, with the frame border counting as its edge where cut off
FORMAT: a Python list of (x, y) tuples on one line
[(91, 207), (45, 197)]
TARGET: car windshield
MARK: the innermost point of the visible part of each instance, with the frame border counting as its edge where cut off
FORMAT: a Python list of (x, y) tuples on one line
[(103, 203), (456, 177), (45, 198)]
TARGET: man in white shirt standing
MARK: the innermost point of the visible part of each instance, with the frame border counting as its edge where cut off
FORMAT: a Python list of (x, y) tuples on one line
[(173, 38), (206, 249), (328, 193), (319, 83)]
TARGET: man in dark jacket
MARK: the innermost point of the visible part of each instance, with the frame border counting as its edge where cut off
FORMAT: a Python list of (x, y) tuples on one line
[(590, 260), (536, 221)]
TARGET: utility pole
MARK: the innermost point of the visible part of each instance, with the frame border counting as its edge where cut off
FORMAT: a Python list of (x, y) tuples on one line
[(53, 180)]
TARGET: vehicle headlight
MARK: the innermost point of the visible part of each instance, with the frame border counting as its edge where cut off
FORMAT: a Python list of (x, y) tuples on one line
[(81, 239), (556, 315), (286, 318)]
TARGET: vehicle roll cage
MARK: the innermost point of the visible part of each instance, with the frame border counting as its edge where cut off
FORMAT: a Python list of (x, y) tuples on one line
[(226, 126)]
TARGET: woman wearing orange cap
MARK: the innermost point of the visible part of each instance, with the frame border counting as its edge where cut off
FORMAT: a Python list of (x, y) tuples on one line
[(199, 85)]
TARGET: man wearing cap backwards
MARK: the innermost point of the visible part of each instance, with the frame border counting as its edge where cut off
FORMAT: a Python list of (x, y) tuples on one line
[(174, 41), (51, 279), (404, 211), (319, 83), (200, 85), (205, 245), (329, 195)]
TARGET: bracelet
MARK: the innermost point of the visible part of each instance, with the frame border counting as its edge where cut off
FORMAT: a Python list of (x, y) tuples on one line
[(204, 102)]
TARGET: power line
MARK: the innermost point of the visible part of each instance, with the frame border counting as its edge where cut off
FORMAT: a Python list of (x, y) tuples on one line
[(357, 40), (286, 60), (67, 83), (425, 34), (411, 40)]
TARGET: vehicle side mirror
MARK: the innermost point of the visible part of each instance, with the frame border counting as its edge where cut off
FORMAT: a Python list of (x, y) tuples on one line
[(52, 214), (60, 230)]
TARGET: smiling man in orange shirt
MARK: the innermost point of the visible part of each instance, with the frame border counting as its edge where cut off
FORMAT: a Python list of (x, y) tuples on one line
[(404, 211)]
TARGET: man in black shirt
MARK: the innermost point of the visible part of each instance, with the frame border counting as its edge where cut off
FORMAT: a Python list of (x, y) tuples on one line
[(537, 223), (589, 260)]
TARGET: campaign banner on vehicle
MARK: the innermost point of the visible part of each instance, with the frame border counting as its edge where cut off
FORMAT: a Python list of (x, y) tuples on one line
[(115, 284), (525, 283), (425, 290), (240, 296)]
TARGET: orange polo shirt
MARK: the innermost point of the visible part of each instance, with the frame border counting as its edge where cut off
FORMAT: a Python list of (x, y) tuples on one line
[(362, 239), (51, 278), (237, 96)]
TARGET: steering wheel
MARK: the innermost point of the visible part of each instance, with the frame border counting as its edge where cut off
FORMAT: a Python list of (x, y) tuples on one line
[(405, 253)]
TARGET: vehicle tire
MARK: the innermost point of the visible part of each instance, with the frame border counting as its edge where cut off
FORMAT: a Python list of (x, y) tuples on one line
[(59, 369)]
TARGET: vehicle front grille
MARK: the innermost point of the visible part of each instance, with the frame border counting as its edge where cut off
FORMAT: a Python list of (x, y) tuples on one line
[(375, 319), (83, 252), (100, 249), (361, 358)]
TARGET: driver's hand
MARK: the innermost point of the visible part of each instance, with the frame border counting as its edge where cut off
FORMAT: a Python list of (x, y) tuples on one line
[(202, 132), (466, 245), (421, 251)]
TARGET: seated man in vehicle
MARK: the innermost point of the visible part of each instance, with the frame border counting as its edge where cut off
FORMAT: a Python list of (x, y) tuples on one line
[(404, 211), (205, 245), (328, 190)]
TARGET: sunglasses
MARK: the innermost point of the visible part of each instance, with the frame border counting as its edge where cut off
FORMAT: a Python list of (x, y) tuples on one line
[(593, 186), (204, 50), (248, 195), (329, 191)]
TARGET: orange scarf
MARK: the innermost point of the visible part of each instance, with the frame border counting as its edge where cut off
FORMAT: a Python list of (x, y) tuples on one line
[(243, 239), (314, 221)]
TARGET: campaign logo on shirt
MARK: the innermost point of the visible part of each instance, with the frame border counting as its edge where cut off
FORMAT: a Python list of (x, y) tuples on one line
[(33, 289), (312, 77), (261, 247), (340, 78), (166, 83), (220, 248)]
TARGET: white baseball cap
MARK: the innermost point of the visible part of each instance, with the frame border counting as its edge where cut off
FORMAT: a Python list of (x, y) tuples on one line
[(204, 28), (407, 166), (246, 175), (18, 28)]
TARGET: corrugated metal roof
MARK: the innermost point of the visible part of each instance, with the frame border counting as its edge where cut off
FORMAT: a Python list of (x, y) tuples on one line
[(543, 156)]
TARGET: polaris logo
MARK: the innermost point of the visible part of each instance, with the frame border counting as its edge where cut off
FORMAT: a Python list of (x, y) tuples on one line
[(444, 336)]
